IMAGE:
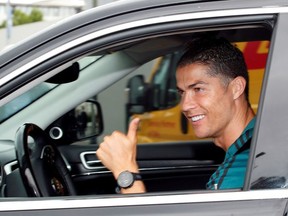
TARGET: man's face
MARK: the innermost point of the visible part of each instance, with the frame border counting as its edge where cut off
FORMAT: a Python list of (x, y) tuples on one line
[(205, 101)]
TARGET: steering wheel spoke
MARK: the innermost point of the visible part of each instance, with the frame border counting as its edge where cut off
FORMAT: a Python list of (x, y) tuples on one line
[(42, 167)]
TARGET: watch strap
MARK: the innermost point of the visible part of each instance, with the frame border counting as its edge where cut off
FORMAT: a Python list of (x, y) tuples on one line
[(137, 176)]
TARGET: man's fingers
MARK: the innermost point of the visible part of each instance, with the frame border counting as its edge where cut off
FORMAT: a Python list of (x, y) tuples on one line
[(132, 131)]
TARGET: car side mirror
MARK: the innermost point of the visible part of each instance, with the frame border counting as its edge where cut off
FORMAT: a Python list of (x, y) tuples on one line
[(89, 119), (136, 88), (83, 122)]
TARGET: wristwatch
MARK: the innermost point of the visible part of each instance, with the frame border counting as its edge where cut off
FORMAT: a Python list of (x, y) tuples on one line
[(126, 179)]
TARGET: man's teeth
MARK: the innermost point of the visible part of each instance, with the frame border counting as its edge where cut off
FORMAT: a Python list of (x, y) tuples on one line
[(197, 118)]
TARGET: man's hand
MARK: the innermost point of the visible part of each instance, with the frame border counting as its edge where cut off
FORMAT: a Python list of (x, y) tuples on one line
[(118, 151)]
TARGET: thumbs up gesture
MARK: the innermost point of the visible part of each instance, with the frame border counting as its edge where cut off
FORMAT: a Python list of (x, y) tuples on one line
[(118, 151)]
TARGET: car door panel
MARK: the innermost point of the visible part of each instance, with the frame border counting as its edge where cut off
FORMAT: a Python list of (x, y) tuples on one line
[(164, 167), (221, 203)]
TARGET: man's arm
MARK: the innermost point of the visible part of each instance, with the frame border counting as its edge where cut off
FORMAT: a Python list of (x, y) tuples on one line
[(118, 153)]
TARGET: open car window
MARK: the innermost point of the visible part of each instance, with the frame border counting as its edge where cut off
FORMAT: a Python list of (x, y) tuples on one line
[(155, 99)]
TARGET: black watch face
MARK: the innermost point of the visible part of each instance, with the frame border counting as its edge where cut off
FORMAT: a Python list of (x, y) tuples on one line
[(125, 179)]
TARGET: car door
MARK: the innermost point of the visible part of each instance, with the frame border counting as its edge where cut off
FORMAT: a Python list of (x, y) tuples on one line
[(175, 159)]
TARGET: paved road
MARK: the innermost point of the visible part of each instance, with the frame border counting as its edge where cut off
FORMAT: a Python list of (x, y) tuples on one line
[(22, 32)]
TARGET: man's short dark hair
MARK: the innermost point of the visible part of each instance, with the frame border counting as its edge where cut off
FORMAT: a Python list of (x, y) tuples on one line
[(222, 58)]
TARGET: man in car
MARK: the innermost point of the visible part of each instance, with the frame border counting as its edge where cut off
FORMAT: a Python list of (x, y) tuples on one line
[(212, 80)]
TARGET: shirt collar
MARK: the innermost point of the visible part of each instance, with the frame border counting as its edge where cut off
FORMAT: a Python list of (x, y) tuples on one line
[(242, 139)]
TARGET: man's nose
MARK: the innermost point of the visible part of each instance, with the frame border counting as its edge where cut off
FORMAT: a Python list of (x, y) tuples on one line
[(187, 102)]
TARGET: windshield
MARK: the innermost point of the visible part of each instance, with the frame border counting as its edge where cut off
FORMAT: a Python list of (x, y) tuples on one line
[(24, 100)]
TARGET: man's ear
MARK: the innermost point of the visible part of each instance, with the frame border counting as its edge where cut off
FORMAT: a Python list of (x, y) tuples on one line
[(238, 86)]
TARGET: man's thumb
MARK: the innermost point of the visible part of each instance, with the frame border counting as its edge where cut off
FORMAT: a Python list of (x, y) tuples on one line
[(132, 131)]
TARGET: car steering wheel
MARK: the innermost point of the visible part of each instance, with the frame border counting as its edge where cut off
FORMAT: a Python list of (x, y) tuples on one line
[(42, 167)]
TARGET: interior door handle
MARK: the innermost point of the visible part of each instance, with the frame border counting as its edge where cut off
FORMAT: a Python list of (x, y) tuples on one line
[(90, 161)]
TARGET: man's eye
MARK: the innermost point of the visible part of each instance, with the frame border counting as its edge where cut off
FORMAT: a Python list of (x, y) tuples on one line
[(180, 92), (198, 89)]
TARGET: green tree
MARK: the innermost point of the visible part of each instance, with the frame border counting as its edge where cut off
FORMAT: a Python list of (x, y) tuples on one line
[(36, 15), (20, 17), (3, 24)]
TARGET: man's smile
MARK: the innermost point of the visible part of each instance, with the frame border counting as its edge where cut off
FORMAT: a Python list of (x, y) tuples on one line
[(197, 118)]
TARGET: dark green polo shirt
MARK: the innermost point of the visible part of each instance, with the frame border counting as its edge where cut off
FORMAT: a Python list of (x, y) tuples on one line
[(231, 173)]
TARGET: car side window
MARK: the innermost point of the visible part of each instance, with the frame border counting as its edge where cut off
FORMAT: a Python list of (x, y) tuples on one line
[(158, 96), (164, 134)]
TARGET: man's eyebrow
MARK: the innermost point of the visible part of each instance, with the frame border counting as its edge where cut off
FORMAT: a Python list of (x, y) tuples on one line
[(197, 83), (193, 85)]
